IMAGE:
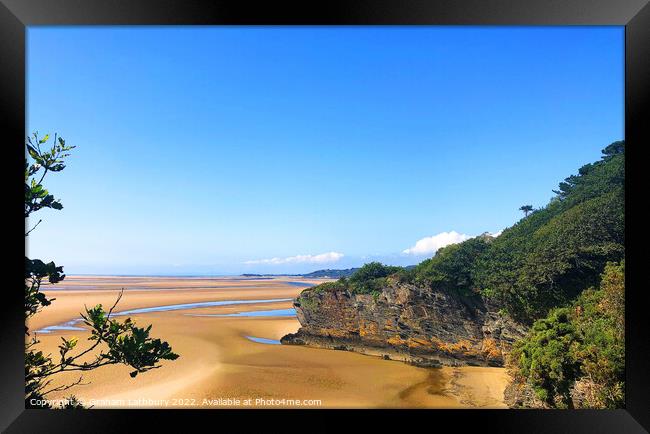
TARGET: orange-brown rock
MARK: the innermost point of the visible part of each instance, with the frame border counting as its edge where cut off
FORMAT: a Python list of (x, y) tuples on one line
[(406, 322)]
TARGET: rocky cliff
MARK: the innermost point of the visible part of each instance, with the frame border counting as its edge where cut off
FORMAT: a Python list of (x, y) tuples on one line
[(405, 322)]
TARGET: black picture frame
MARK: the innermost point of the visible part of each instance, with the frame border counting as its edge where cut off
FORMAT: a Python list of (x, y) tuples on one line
[(16, 15)]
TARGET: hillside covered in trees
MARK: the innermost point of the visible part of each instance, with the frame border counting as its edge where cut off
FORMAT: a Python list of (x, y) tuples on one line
[(540, 272)]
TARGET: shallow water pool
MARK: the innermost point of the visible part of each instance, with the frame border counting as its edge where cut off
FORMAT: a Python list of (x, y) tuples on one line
[(270, 312), (264, 340)]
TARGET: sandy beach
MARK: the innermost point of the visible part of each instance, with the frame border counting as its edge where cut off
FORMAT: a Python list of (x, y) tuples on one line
[(220, 366)]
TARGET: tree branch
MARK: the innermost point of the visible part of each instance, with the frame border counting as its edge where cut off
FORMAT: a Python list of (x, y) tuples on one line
[(65, 387), (39, 222)]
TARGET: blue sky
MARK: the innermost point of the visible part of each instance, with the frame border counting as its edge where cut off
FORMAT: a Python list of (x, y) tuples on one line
[(218, 150)]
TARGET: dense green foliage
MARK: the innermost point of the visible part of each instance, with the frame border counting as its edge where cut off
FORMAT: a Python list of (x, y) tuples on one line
[(575, 357), (453, 267), (549, 257), (111, 341), (372, 271)]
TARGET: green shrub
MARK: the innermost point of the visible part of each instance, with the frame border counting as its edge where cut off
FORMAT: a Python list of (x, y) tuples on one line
[(452, 267), (373, 270), (583, 342)]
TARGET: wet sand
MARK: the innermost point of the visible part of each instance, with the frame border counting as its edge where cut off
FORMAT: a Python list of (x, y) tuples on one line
[(219, 367)]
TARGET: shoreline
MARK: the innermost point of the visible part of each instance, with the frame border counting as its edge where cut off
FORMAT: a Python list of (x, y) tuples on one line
[(429, 359), (217, 360)]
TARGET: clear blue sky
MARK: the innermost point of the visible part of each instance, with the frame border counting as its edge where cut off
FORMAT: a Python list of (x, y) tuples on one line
[(213, 150)]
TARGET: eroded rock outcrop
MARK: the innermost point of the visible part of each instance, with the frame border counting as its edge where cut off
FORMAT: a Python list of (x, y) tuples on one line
[(405, 322)]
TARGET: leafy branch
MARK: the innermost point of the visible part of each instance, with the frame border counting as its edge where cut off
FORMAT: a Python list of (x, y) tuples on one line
[(52, 160), (112, 341)]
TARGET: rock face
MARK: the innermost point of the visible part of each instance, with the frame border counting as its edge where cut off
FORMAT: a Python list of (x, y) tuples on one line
[(405, 322), (519, 394)]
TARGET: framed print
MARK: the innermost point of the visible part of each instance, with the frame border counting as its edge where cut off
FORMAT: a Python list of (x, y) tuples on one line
[(278, 213)]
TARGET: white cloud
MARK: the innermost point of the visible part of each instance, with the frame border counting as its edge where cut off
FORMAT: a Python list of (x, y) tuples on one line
[(496, 234), (323, 258), (429, 245)]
